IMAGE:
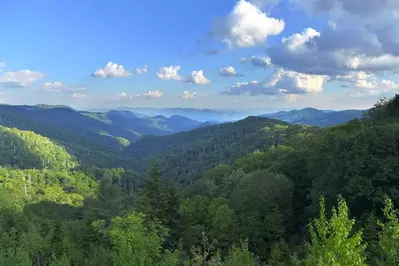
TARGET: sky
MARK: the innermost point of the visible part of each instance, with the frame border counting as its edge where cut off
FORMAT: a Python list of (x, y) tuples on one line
[(224, 54)]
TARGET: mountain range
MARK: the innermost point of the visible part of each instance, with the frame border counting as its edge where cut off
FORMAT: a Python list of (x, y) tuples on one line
[(108, 129), (203, 115), (315, 117)]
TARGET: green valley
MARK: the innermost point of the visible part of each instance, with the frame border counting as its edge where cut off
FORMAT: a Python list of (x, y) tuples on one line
[(258, 191)]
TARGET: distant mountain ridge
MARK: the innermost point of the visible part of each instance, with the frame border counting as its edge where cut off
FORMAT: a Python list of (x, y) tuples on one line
[(203, 115), (101, 131), (316, 117), (309, 116)]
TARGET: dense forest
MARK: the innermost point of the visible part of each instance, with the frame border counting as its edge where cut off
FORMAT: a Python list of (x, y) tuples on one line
[(255, 192)]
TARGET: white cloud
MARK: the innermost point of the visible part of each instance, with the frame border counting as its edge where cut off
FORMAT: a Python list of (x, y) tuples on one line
[(112, 70), (291, 97), (186, 95), (248, 88), (169, 73), (123, 95), (257, 61), (140, 71), (2, 66), (20, 78), (377, 63), (296, 83), (197, 77), (58, 86), (281, 82), (154, 94), (246, 26), (330, 52), (228, 71), (368, 83), (297, 41), (361, 36), (78, 95)]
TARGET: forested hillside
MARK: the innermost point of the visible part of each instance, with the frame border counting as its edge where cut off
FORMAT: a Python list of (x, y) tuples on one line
[(186, 155), (25, 149), (255, 192), (93, 138)]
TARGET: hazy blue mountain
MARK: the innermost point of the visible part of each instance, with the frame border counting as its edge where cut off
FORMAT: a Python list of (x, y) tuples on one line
[(315, 117), (111, 129), (202, 115)]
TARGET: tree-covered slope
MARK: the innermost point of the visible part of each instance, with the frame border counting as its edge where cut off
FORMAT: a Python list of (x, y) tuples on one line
[(186, 155), (305, 196), (64, 124), (26, 149)]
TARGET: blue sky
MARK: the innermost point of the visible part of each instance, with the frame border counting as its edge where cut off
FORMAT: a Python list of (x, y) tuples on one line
[(56, 52)]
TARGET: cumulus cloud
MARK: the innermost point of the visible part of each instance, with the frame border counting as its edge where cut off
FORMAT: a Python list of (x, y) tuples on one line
[(169, 73), (368, 83), (281, 82), (186, 95), (124, 95), (78, 95), (58, 87), (20, 78), (228, 71), (291, 82), (291, 97), (197, 77), (2, 66), (312, 52), (154, 94), (297, 41), (140, 71), (362, 36), (246, 25), (364, 9), (113, 70), (257, 61)]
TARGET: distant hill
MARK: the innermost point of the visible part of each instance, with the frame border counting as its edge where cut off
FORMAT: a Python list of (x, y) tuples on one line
[(202, 115), (184, 156), (315, 117), (141, 125), (93, 138)]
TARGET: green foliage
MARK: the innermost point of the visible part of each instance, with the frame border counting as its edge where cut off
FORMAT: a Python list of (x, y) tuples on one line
[(256, 179), (262, 203), (263, 160), (332, 240), (240, 255), (186, 155), (135, 241), (25, 149), (361, 165), (389, 236)]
